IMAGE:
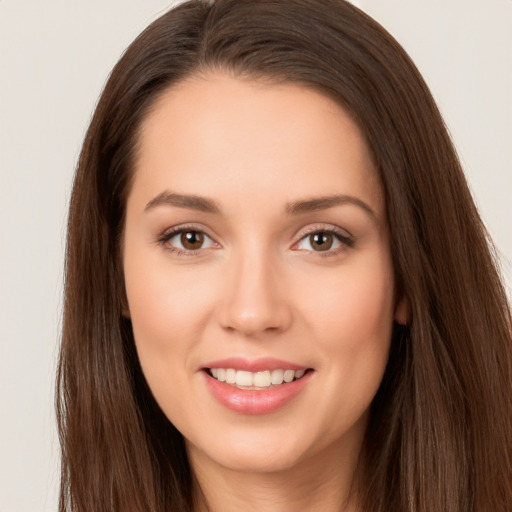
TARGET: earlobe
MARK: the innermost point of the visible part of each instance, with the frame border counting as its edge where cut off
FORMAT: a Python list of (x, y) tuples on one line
[(123, 298), (402, 311), (125, 309)]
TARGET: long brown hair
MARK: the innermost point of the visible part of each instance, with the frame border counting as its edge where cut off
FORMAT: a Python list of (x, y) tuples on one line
[(440, 431)]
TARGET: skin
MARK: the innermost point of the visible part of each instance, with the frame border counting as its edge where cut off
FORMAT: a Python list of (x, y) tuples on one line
[(258, 287)]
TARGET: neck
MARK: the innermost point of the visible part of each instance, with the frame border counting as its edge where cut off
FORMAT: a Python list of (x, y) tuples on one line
[(325, 482)]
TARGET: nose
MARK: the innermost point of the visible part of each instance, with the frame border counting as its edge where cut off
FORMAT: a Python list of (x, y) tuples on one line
[(255, 300)]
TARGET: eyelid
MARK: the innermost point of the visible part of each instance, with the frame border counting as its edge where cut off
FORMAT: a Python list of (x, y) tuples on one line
[(170, 232), (331, 228), (346, 239)]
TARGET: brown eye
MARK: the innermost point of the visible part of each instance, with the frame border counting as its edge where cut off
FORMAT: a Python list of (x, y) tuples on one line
[(326, 241), (192, 240), (321, 241), (186, 241)]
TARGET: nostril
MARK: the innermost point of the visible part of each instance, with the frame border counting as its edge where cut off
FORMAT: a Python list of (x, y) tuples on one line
[(256, 322)]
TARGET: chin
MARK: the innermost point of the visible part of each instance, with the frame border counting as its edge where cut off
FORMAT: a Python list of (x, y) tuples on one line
[(261, 452), (258, 461)]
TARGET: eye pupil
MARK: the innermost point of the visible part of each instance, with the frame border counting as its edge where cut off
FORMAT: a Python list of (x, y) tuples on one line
[(321, 241), (192, 240)]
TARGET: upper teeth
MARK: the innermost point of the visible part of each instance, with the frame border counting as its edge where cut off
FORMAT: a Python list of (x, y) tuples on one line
[(258, 379)]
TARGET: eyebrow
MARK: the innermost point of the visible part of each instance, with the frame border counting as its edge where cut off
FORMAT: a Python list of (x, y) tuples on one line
[(183, 201), (323, 203), (203, 204)]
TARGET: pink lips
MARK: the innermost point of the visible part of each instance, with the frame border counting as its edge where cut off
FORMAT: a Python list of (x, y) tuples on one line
[(258, 365), (248, 401)]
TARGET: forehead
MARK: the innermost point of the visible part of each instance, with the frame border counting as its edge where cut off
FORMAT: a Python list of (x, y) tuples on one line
[(214, 133)]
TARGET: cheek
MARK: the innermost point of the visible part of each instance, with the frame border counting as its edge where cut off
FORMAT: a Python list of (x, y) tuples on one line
[(353, 307), (163, 308), (165, 322), (353, 318), (164, 300), (170, 306)]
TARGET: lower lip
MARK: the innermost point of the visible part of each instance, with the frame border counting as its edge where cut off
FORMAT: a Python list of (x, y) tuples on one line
[(250, 401)]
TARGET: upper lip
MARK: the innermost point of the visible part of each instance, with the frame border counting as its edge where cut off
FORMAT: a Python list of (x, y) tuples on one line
[(255, 365)]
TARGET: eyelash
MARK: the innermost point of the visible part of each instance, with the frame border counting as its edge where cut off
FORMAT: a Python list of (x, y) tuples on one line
[(164, 238), (346, 241)]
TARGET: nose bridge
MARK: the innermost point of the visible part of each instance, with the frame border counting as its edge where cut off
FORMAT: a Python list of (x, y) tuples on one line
[(253, 300)]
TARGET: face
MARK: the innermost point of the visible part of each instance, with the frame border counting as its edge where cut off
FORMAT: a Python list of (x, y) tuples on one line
[(258, 272)]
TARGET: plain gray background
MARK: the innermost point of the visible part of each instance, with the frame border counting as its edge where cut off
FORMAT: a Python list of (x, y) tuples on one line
[(54, 58)]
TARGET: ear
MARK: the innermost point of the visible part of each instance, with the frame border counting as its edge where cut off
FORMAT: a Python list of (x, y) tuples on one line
[(121, 293), (402, 311), (125, 308)]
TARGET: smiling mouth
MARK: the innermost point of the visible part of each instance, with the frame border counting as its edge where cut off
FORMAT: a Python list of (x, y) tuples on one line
[(262, 380)]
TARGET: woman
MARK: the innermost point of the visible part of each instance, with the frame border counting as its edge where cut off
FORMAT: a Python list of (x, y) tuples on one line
[(279, 294)]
